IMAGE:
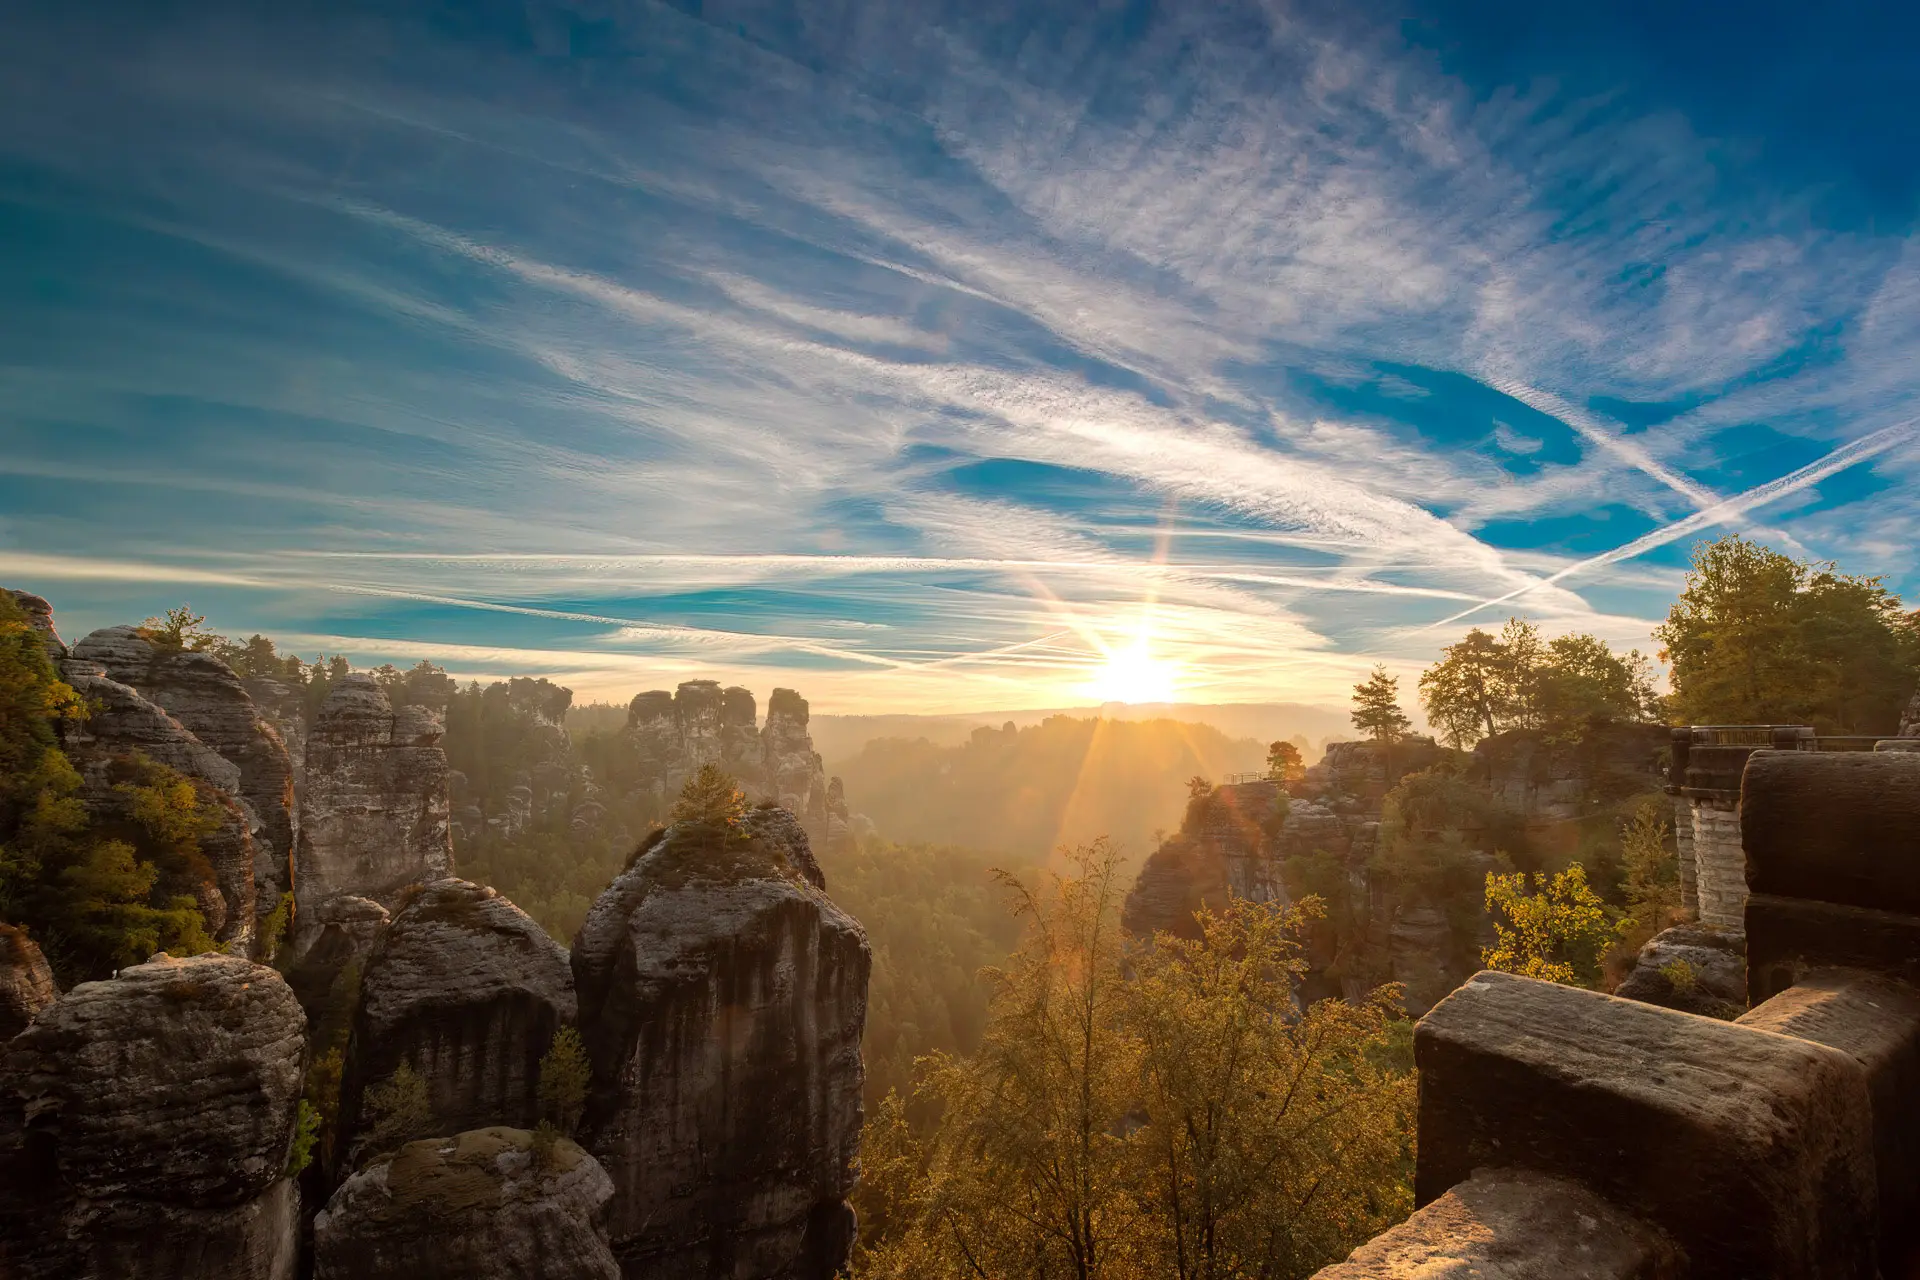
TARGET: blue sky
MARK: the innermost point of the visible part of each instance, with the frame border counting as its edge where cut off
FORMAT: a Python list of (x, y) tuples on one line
[(947, 356)]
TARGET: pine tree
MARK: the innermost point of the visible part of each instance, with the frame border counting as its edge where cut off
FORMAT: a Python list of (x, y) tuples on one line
[(1376, 712)]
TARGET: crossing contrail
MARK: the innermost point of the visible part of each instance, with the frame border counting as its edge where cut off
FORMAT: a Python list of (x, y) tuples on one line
[(1847, 455)]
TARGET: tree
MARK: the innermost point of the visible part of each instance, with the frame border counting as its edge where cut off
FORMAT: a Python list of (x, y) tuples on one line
[(1463, 691), (1556, 931), (1273, 1143), (180, 629), (1485, 684), (1376, 713), (564, 1076), (1759, 638), (713, 800), (1284, 762), (399, 1112), (1652, 871), (1027, 1176)]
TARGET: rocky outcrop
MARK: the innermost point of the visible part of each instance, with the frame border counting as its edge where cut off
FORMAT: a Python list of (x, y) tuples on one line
[(326, 979), (1225, 847), (722, 999), (1542, 780), (123, 727), (1368, 770), (469, 991), (26, 983), (1910, 718), (669, 736), (374, 819), (40, 618), (145, 1126), (207, 698), (482, 1205), (1691, 967)]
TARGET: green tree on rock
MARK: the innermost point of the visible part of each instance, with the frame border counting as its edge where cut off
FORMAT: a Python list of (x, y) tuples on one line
[(1555, 929), (1377, 713), (1284, 762)]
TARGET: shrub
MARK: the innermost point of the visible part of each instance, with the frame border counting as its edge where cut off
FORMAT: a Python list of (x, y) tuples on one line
[(564, 1075), (399, 1110)]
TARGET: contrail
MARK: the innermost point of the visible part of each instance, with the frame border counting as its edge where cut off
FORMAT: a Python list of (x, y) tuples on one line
[(1847, 455)]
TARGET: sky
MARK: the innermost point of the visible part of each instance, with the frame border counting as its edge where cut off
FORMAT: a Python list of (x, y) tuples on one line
[(948, 356)]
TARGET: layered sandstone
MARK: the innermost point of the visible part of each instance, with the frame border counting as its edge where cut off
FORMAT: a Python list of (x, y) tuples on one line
[(375, 816), (464, 987), (207, 698), (481, 1205), (145, 1127), (26, 983), (722, 999), (1225, 848)]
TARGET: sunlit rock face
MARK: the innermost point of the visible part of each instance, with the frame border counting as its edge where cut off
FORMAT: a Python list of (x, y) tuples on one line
[(669, 736), (722, 999), (1225, 847), (209, 700), (374, 819), (145, 1125), (478, 1205), (26, 981), (464, 987)]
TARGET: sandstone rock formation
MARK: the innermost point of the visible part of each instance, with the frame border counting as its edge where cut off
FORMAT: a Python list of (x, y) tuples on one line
[(1690, 967), (145, 1124), (469, 991), (1365, 770), (40, 618), (1225, 846), (1910, 718), (669, 736), (722, 999), (326, 978), (207, 698), (477, 1206), (26, 983), (124, 726), (374, 818), (1540, 780)]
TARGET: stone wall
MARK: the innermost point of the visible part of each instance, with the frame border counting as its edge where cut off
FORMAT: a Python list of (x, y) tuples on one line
[(1720, 867)]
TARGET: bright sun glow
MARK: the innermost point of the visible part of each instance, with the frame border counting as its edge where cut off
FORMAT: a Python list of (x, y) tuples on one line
[(1133, 674)]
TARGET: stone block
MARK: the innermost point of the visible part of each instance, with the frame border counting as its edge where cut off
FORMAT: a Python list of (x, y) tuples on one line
[(1790, 937), (1876, 1019), (1753, 1151), (1511, 1224), (1834, 827)]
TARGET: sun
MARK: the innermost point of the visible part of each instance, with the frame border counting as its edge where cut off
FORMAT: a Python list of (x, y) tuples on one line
[(1133, 674)]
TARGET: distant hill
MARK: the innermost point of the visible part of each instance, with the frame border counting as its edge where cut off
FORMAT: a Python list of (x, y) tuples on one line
[(1027, 790), (838, 737)]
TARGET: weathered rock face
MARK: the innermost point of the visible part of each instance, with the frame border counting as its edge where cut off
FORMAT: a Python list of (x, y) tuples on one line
[(326, 980), (1693, 968), (26, 983), (467, 989), (722, 999), (40, 618), (1555, 781), (124, 725), (1225, 846), (208, 699), (1362, 768), (1910, 718), (375, 815), (476, 1206), (669, 736), (145, 1124)]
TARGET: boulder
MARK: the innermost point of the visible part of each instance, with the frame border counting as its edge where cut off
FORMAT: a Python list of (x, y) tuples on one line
[(145, 1126), (375, 816), (469, 991), (1509, 1224), (207, 698), (26, 983), (1753, 1151), (481, 1205), (722, 1000), (1693, 968), (1788, 938)]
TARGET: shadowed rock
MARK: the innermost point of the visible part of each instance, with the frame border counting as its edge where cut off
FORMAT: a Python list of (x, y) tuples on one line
[(722, 998), (1833, 827), (375, 815), (145, 1124), (207, 698), (26, 983), (475, 1206), (469, 991), (1222, 848)]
